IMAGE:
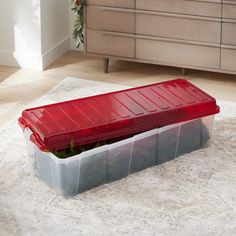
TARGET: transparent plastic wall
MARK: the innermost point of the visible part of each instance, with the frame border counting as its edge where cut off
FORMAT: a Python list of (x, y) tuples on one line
[(115, 161)]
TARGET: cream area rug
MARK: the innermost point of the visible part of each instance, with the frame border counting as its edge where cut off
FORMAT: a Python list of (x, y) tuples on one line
[(192, 195)]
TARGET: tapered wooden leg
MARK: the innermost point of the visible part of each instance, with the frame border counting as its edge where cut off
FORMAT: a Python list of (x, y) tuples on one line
[(106, 65), (183, 71)]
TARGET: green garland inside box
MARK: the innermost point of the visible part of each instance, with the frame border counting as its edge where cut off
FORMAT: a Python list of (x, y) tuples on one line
[(78, 31)]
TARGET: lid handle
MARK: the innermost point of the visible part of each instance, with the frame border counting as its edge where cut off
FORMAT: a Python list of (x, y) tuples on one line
[(36, 140)]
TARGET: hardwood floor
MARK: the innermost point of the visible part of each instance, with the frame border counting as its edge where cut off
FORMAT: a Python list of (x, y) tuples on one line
[(19, 87)]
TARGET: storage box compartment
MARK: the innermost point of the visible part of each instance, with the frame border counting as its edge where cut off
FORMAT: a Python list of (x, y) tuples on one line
[(155, 123), (167, 144), (144, 151), (119, 160), (108, 163)]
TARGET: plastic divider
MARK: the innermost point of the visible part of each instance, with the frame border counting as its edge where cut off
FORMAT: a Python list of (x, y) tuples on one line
[(93, 168), (167, 144), (66, 176), (144, 151), (119, 159)]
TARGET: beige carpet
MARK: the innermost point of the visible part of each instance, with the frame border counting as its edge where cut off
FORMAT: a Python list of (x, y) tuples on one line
[(192, 195)]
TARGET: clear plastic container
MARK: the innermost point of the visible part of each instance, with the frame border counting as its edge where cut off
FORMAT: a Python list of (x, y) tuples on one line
[(112, 162)]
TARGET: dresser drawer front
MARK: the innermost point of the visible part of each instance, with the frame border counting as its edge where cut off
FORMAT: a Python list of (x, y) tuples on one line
[(200, 8), (177, 53), (229, 33), (108, 43), (112, 3), (172, 26), (228, 59), (111, 19), (229, 9)]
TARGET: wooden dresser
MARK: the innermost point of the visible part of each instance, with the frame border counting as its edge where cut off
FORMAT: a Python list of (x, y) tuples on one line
[(197, 34)]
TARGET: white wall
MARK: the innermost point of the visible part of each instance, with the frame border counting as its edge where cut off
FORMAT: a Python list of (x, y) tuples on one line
[(33, 32), (7, 33), (18, 34), (55, 30), (27, 33)]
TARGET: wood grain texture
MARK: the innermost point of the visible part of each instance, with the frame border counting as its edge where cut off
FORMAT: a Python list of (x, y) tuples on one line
[(201, 8), (178, 27), (229, 10), (104, 18), (229, 33), (184, 33), (181, 53), (110, 44), (228, 59), (113, 3)]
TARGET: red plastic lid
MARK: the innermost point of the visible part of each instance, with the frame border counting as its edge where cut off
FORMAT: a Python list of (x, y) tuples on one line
[(116, 114)]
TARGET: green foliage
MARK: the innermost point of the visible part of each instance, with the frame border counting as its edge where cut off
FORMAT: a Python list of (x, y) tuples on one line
[(73, 150), (78, 32)]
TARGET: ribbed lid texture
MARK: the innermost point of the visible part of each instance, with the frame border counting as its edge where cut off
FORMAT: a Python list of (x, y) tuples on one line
[(116, 114)]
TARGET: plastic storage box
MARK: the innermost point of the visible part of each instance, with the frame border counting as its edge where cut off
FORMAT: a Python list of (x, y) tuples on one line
[(178, 115)]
